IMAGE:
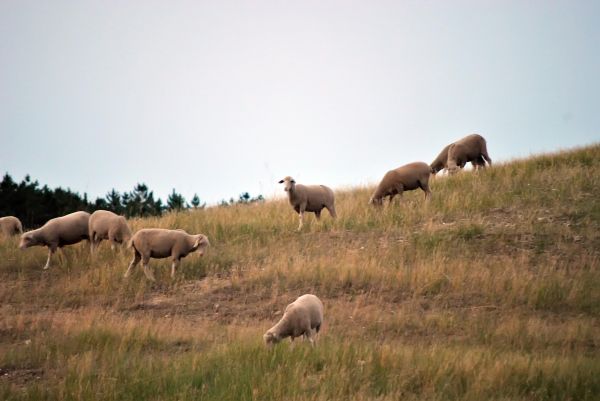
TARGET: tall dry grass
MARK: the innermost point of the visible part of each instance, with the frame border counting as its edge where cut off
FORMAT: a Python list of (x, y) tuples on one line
[(489, 291)]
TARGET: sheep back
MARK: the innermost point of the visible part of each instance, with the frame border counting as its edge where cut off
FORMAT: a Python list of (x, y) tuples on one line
[(306, 308), (408, 177), (105, 224), (161, 243), (58, 232), (441, 161), (10, 225), (316, 197), (466, 149)]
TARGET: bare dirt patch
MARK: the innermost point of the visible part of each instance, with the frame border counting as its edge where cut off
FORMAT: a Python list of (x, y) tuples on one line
[(20, 376)]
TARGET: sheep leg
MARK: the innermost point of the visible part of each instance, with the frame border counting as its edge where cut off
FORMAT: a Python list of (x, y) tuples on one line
[(92, 244), (136, 259), (425, 188), (478, 163), (174, 267), (318, 215), (62, 255), (309, 336), (484, 153), (147, 271), (301, 224), (396, 191), (113, 240), (51, 251)]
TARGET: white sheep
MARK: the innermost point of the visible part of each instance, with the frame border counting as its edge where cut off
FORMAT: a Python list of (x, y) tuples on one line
[(10, 225), (161, 243), (105, 225), (58, 232), (406, 178), (301, 317), (471, 148), (309, 198)]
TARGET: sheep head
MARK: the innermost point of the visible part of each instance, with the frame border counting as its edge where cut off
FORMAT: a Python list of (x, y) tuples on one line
[(271, 338), (376, 201), (27, 240), (452, 164), (201, 244), (452, 167), (126, 234), (126, 238), (289, 183)]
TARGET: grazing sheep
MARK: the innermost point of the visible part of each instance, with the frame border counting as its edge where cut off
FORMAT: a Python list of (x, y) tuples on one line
[(162, 243), (309, 198), (58, 232), (10, 226), (470, 148), (300, 318), (406, 178), (105, 225), (441, 162)]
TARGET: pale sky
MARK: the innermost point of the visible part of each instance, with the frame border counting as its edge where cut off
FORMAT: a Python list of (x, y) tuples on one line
[(222, 97)]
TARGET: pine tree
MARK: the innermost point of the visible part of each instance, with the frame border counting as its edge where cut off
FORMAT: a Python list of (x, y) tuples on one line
[(195, 201), (176, 201), (141, 202), (113, 199)]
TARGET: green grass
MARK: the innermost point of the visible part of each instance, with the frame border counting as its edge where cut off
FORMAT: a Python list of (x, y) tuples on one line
[(489, 291)]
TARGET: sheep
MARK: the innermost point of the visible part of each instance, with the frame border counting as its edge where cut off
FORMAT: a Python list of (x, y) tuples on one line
[(105, 225), (10, 226), (441, 162), (309, 198), (58, 232), (161, 243), (299, 319), (406, 178), (469, 148)]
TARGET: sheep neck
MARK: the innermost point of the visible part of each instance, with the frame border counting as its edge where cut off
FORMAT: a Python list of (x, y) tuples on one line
[(282, 328), (293, 195), (38, 236), (190, 241)]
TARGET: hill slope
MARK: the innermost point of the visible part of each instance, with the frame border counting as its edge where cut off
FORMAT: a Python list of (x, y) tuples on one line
[(489, 291)]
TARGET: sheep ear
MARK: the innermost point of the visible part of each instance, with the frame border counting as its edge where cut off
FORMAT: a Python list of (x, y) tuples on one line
[(198, 241), (281, 182), (293, 181)]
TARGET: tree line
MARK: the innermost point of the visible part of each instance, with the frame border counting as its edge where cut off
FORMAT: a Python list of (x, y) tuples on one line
[(34, 204)]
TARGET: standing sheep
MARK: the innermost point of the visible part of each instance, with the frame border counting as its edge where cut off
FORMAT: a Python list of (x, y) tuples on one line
[(58, 232), (105, 225), (468, 149), (10, 226), (309, 198), (161, 243), (406, 178), (300, 318), (441, 162)]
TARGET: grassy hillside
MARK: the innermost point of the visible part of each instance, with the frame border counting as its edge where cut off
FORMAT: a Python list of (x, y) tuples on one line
[(489, 291)]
